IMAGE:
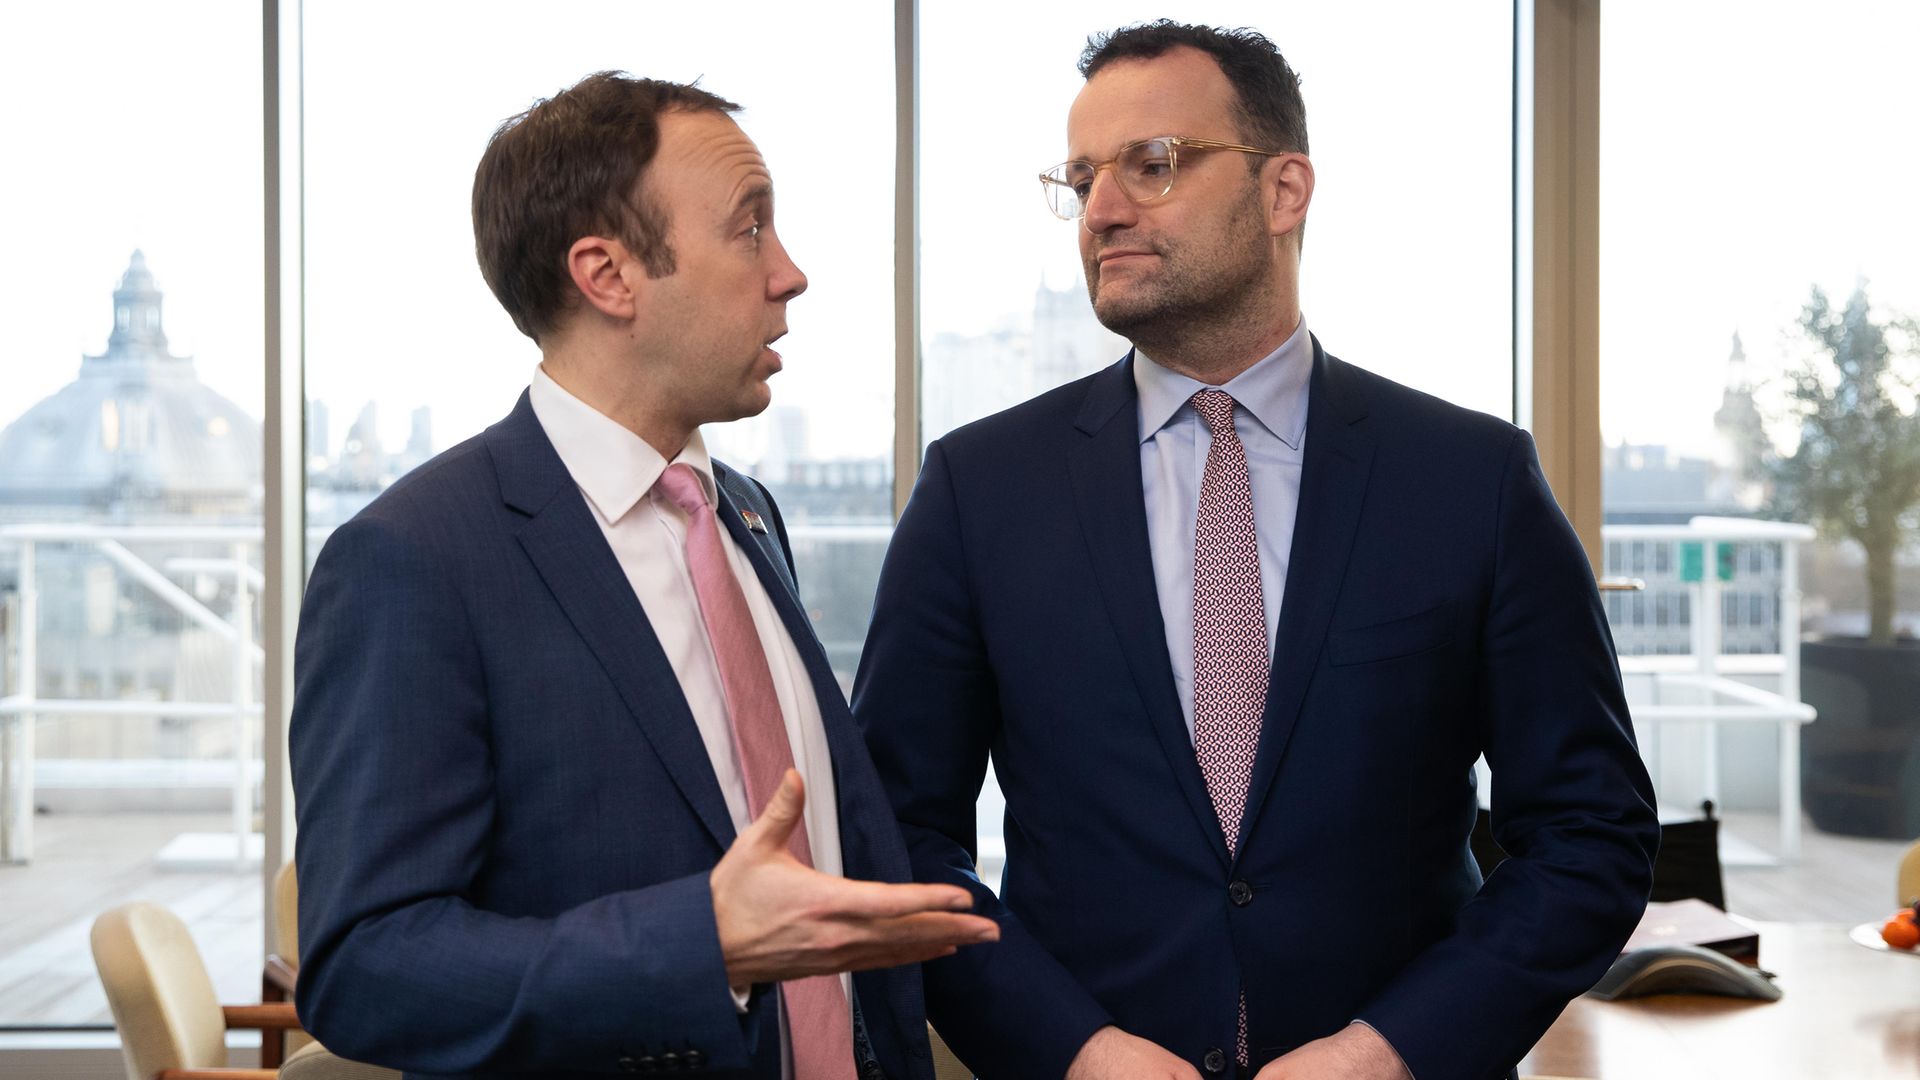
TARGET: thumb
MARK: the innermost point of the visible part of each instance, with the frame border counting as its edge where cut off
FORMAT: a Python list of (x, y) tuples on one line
[(782, 812)]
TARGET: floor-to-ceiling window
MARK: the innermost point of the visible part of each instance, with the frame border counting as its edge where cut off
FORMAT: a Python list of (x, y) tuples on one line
[(130, 489), (407, 351)]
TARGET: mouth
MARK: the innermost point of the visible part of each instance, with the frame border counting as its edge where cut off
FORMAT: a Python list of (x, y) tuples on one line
[(770, 351), (1119, 254)]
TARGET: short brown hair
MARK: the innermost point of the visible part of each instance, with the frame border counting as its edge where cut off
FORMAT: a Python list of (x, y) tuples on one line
[(569, 167)]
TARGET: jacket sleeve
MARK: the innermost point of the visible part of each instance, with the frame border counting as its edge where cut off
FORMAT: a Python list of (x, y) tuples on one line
[(1572, 806), (926, 699), (394, 785)]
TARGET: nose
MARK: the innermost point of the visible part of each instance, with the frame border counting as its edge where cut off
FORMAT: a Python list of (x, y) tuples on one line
[(1107, 206), (786, 280)]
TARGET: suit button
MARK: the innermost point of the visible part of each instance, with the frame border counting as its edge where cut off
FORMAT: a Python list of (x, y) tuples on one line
[(1215, 1060), (872, 1071), (670, 1061), (1240, 893), (693, 1059)]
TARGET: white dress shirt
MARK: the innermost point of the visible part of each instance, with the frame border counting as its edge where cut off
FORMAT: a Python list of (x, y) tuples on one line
[(616, 470)]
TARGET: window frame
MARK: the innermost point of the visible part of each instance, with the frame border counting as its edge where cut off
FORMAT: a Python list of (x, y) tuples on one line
[(1555, 338)]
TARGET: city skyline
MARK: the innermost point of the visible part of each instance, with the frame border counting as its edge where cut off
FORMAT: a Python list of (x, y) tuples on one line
[(1707, 229)]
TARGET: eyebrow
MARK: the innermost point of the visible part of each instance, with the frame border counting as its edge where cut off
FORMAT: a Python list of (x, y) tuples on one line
[(757, 190)]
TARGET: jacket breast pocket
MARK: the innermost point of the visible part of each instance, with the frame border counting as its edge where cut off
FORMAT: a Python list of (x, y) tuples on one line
[(1405, 636)]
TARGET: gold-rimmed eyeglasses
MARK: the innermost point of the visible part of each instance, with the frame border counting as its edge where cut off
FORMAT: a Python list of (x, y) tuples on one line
[(1144, 168)]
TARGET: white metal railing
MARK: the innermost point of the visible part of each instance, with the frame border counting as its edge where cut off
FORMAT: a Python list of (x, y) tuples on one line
[(21, 709), (1696, 690), (22, 705)]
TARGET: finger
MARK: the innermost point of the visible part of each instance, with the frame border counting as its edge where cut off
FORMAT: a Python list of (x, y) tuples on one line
[(867, 959), (779, 817), (926, 928), (877, 900)]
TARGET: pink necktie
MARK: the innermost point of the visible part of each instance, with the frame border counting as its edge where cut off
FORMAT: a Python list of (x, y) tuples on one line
[(819, 1024), (1229, 630)]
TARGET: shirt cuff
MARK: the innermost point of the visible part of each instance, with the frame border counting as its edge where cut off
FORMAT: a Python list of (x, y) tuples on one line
[(1396, 1053), (741, 994)]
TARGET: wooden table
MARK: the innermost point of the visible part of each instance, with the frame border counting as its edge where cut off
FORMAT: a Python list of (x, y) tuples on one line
[(1846, 1012)]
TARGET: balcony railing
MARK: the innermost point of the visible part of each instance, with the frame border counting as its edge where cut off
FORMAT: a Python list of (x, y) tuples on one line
[(1688, 676), (205, 579), (1719, 612)]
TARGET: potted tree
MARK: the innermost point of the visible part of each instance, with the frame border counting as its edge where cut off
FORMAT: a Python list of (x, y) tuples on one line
[(1855, 475)]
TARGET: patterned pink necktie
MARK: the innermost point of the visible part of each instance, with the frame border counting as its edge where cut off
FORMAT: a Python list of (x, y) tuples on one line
[(819, 1023), (1229, 630)]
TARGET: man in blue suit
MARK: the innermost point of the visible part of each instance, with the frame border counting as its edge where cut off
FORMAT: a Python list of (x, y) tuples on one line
[(577, 792), (1233, 621)]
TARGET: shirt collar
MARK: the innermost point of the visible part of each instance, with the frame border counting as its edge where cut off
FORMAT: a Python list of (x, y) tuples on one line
[(614, 467), (1273, 391)]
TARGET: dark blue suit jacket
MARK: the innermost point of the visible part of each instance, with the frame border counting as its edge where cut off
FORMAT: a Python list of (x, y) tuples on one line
[(1437, 606), (506, 814)]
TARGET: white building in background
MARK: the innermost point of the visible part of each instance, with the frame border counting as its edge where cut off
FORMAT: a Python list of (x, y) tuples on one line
[(135, 440), (136, 436), (967, 376)]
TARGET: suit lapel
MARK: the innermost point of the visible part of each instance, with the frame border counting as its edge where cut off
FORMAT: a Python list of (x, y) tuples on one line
[(1110, 504), (1333, 487), (869, 839), (571, 555)]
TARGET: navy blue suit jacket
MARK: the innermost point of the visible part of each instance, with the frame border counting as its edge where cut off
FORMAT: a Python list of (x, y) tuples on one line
[(506, 813), (1437, 606)]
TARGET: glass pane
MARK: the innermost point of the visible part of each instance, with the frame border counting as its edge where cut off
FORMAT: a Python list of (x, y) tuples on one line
[(409, 353), (1002, 298), (130, 491), (1753, 229), (1407, 268)]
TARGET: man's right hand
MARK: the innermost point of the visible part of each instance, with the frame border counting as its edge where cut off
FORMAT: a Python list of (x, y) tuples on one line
[(1116, 1054), (780, 919)]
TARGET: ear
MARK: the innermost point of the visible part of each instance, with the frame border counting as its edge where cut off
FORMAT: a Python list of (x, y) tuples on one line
[(1288, 179), (602, 270)]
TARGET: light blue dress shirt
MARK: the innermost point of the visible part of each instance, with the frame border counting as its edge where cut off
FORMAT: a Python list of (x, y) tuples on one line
[(1271, 419)]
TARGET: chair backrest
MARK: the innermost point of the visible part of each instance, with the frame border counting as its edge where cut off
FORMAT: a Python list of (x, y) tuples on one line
[(163, 1002), (1908, 881), (316, 1062), (286, 936), (286, 914)]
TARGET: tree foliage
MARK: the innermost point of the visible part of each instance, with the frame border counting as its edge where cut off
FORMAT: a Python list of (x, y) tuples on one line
[(1856, 470)]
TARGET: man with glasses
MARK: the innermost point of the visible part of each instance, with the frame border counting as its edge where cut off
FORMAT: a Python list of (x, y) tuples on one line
[(1233, 620)]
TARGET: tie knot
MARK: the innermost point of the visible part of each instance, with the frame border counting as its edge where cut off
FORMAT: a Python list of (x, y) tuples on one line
[(1216, 409), (681, 485)]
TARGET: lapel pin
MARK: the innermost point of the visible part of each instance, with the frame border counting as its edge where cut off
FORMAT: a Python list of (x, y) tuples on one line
[(754, 524)]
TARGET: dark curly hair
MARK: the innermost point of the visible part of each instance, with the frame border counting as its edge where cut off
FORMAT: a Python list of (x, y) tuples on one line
[(1267, 103)]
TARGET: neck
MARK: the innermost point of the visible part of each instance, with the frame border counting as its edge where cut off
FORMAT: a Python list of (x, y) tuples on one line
[(1216, 349), (616, 386)]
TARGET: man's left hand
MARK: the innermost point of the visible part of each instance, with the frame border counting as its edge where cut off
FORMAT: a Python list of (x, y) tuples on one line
[(1355, 1052)]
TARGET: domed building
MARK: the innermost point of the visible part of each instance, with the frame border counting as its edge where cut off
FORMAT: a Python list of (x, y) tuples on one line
[(136, 438), (135, 441)]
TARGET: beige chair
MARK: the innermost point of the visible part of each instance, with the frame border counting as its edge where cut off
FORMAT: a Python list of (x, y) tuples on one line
[(171, 1025), (1908, 881), (315, 1062), (283, 965)]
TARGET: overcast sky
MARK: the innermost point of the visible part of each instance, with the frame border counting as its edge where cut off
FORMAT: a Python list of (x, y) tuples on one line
[(1749, 151)]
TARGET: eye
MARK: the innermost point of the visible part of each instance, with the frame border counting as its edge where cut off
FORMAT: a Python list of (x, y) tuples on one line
[(1149, 166), (1078, 177)]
